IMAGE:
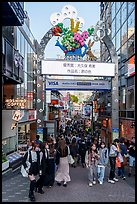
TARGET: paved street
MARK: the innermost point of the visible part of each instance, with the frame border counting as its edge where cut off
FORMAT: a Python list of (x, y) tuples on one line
[(15, 189)]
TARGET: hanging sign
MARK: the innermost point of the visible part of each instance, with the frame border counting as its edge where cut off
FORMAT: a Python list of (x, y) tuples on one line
[(77, 68)]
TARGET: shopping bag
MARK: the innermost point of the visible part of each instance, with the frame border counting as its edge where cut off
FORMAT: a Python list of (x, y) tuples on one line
[(70, 159), (118, 163), (24, 171)]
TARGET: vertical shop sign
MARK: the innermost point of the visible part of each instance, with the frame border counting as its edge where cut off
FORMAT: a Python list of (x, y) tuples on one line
[(115, 133)]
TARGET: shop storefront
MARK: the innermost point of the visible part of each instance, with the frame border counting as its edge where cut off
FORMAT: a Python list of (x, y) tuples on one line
[(27, 127), (106, 131), (127, 129)]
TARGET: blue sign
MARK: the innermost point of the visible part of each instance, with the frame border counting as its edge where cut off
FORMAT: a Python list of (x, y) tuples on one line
[(115, 129), (40, 131)]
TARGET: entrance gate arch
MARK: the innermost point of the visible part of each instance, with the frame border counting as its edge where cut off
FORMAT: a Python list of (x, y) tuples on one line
[(114, 85)]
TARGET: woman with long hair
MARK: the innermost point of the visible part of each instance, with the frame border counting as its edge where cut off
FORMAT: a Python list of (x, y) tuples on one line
[(91, 160), (62, 173)]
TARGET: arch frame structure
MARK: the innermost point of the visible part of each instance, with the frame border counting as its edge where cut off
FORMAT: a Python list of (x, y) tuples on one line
[(114, 85)]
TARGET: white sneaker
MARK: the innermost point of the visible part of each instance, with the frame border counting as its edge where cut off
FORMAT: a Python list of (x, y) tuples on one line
[(111, 181), (94, 182), (101, 182), (115, 179), (90, 184)]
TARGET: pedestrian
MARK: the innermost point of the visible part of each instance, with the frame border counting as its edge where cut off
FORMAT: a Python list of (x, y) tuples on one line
[(74, 151), (123, 152), (45, 164), (82, 151), (38, 141), (91, 160), (51, 162), (33, 157), (102, 161), (62, 172), (112, 159), (131, 152)]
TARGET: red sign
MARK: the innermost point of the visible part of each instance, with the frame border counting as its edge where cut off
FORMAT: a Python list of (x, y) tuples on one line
[(61, 103), (31, 115), (54, 101), (30, 96)]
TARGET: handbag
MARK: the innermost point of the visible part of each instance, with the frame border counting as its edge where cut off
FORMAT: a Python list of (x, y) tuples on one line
[(70, 158), (118, 163), (24, 171), (120, 157)]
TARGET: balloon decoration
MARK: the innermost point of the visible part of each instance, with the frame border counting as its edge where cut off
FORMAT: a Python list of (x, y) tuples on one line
[(72, 38)]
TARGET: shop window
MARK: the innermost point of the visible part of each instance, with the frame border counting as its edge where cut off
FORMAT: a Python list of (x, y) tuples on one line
[(113, 28), (124, 33), (113, 10), (130, 98), (131, 24), (124, 12), (131, 7), (124, 52), (131, 81), (131, 46), (130, 114), (118, 40), (122, 99), (118, 20), (123, 114)]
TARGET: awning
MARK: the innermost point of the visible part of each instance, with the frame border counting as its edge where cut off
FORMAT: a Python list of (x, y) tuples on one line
[(26, 122)]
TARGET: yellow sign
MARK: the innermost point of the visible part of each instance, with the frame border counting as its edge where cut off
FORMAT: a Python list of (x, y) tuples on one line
[(15, 102)]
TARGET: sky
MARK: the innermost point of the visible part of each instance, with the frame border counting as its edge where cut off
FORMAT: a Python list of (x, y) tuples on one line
[(40, 12)]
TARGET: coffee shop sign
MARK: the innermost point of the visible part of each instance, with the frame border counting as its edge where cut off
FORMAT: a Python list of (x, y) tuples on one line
[(16, 102)]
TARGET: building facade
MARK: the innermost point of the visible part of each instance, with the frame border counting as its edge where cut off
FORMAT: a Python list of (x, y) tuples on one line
[(120, 18), (18, 78)]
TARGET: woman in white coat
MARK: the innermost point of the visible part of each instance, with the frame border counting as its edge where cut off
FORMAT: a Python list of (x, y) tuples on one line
[(62, 173)]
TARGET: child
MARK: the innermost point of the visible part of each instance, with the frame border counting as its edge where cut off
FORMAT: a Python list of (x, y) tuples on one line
[(102, 161), (91, 159)]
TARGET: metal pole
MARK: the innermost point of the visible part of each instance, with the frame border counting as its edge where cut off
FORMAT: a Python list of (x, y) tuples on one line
[(17, 136), (115, 92), (92, 121)]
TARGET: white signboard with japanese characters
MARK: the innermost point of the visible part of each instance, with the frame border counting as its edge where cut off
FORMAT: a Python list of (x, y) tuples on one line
[(66, 84), (79, 68)]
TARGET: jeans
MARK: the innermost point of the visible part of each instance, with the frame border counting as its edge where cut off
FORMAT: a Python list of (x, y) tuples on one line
[(121, 171), (112, 161), (92, 174), (101, 173)]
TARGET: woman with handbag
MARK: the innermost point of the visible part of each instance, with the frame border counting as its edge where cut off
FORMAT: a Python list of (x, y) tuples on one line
[(33, 157), (62, 172)]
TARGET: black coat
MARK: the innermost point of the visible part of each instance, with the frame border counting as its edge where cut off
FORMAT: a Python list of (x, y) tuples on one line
[(35, 166), (45, 163)]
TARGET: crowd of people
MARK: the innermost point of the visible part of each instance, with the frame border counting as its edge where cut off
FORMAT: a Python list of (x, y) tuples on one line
[(49, 160)]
